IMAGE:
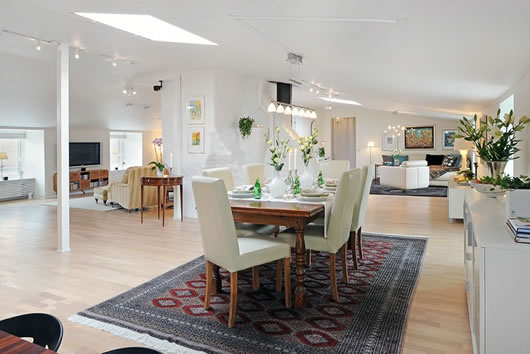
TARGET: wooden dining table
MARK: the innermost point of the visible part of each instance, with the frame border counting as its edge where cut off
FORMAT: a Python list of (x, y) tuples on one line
[(10, 344), (291, 214)]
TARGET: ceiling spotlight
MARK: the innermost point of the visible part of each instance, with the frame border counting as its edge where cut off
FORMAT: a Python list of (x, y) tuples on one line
[(76, 55), (124, 91), (288, 110), (271, 108), (389, 127), (134, 92), (310, 89), (328, 108), (279, 109), (38, 47), (318, 91), (384, 131), (114, 64)]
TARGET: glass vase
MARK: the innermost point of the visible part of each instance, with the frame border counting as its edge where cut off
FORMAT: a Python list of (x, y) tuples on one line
[(496, 168)]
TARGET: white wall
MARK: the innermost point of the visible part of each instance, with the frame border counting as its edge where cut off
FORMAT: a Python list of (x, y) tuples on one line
[(34, 160), (370, 125), (133, 149)]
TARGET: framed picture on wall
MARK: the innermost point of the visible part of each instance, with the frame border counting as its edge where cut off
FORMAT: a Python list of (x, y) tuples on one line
[(389, 142), (419, 137), (196, 140), (195, 110), (448, 136)]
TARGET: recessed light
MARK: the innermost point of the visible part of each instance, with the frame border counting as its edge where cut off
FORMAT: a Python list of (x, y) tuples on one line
[(338, 100), (147, 26)]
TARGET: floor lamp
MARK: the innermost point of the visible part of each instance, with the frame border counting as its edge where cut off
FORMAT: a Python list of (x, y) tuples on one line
[(370, 146)]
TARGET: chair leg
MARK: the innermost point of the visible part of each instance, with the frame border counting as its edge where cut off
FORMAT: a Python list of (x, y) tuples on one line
[(360, 242), (96, 200), (255, 278), (287, 275), (279, 275), (344, 252), (333, 276), (308, 257), (353, 250), (233, 300), (104, 202), (209, 284)]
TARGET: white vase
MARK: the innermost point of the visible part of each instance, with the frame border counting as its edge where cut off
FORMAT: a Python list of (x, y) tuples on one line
[(159, 173), (277, 186), (307, 178)]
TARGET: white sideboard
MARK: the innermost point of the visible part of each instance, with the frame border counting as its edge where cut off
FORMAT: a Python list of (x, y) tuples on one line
[(455, 196), (16, 188), (497, 279)]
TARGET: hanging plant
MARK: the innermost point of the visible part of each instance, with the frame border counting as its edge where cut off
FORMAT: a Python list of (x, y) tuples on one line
[(245, 126)]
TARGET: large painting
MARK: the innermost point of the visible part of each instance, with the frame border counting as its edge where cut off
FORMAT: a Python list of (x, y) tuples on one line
[(196, 140), (195, 110), (448, 136), (419, 137)]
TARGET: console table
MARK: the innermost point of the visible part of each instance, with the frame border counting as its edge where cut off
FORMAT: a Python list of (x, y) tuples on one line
[(84, 180), (163, 182), (455, 196), (497, 278)]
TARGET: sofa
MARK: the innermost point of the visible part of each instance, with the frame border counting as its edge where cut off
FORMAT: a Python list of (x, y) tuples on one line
[(410, 175), (127, 192)]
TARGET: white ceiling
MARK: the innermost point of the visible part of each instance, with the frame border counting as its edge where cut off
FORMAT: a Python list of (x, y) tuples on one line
[(443, 58)]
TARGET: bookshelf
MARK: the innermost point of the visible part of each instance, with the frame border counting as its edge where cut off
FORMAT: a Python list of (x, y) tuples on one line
[(85, 180)]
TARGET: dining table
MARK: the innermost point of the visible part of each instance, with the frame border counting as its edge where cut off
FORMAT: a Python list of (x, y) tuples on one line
[(13, 344), (292, 214)]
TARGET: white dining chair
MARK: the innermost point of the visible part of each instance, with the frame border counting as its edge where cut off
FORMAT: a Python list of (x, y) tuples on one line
[(253, 171), (225, 174), (333, 169), (359, 213), (224, 249), (338, 231)]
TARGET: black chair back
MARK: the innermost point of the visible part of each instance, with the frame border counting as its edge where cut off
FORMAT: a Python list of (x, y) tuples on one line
[(133, 350), (46, 330)]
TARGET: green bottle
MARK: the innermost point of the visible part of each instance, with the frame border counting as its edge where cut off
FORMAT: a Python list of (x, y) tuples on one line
[(320, 179), (257, 189), (296, 187)]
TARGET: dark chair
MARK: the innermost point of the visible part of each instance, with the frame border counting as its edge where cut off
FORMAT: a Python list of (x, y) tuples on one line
[(46, 330), (133, 350)]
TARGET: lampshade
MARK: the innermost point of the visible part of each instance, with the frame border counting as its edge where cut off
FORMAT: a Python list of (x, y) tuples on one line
[(287, 110), (295, 111), (3, 155), (271, 108), (371, 144), (279, 109), (313, 115), (461, 144)]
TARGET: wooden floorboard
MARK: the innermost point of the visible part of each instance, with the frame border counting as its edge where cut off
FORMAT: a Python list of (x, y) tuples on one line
[(112, 252)]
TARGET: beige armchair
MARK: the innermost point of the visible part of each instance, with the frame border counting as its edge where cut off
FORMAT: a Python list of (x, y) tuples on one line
[(127, 192)]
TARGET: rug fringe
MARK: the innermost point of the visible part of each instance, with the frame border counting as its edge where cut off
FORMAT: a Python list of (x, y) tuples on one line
[(155, 343), (369, 233)]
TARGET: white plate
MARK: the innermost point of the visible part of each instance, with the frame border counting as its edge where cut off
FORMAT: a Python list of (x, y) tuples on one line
[(241, 195), (312, 199)]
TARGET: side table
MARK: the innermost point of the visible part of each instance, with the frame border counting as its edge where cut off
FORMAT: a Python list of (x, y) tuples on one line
[(163, 182)]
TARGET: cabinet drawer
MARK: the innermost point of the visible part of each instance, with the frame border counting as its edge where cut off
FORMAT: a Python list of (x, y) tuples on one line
[(75, 176), (94, 174), (84, 184), (104, 174)]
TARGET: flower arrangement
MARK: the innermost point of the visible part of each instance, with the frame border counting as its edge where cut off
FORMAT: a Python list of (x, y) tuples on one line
[(507, 182), (278, 149), (306, 145), (396, 152), (495, 140), (245, 126), (157, 145)]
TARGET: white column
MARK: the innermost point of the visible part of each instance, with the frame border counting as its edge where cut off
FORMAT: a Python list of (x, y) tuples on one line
[(63, 171)]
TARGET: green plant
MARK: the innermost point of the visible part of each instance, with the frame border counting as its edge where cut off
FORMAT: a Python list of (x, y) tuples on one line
[(508, 182), (495, 140), (245, 126), (307, 144), (157, 165), (396, 152), (468, 174), (278, 149), (321, 152)]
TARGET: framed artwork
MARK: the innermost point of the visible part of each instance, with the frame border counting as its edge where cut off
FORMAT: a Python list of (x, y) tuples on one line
[(448, 136), (196, 140), (195, 110), (419, 137), (389, 142)]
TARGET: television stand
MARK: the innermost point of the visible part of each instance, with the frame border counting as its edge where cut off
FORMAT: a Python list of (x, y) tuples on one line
[(85, 180)]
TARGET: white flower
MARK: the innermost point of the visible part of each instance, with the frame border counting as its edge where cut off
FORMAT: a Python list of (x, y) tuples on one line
[(269, 142), (496, 133), (278, 130)]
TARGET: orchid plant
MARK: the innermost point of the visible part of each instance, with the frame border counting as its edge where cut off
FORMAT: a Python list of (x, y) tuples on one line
[(157, 146), (496, 139), (279, 148), (307, 145)]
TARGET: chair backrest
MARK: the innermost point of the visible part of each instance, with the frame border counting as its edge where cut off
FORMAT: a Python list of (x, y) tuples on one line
[(46, 330), (334, 168), (339, 223), (361, 203), (218, 232), (133, 350), (253, 171), (224, 173)]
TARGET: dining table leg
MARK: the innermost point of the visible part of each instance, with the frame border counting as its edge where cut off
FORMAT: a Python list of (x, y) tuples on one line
[(142, 203), (181, 203), (158, 201), (299, 300), (164, 200)]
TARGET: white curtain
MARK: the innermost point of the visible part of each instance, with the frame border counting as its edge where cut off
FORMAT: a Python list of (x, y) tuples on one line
[(343, 139)]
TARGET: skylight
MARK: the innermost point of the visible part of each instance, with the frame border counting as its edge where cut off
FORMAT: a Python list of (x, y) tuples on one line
[(338, 100), (147, 26)]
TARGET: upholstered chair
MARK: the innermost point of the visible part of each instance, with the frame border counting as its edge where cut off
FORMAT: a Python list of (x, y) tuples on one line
[(338, 229), (359, 213), (253, 171), (222, 247), (127, 193), (334, 168), (225, 174)]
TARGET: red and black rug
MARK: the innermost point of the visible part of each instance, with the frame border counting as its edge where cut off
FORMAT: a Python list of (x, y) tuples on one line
[(167, 312)]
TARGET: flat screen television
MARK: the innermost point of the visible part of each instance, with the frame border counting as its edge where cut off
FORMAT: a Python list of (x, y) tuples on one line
[(85, 154)]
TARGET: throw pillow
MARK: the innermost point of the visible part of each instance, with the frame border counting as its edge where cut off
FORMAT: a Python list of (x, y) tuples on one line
[(434, 159), (452, 160), (387, 159), (400, 159)]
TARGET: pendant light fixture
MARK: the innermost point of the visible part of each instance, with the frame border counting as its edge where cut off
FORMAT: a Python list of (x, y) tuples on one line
[(271, 108), (288, 110), (280, 109)]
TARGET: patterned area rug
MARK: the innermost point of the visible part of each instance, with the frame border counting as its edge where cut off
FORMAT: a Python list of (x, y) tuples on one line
[(431, 191), (167, 312)]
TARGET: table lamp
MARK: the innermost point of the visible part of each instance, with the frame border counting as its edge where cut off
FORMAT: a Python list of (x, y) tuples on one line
[(370, 146), (463, 146), (3, 156)]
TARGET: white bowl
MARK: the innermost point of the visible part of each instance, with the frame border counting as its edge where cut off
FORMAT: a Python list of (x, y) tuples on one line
[(486, 188)]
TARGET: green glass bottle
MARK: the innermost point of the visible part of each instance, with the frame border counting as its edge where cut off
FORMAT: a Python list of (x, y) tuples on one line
[(320, 179), (257, 189), (296, 187)]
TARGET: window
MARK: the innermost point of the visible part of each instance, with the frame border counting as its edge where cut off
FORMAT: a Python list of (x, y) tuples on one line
[(12, 143), (125, 150), (506, 106)]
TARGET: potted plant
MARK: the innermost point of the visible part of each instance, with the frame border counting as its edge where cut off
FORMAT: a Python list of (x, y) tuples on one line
[(279, 148), (159, 166), (396, 153), (495, 141), (307, 145), (245, 126), (517, 193)]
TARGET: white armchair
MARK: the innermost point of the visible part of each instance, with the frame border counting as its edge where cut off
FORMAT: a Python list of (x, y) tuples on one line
[(224, 249), (410, 175)]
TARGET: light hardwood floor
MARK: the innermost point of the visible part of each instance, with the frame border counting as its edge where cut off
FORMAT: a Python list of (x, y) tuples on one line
[(112, 252)]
